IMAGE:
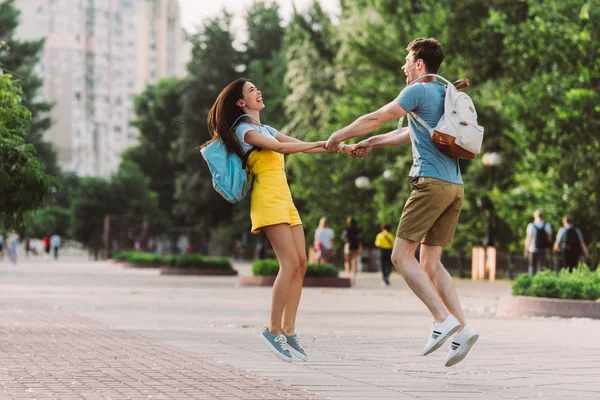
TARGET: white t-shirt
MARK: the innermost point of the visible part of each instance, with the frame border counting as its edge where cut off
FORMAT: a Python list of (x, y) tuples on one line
[(55, 241), (244, 127), (324, 235)]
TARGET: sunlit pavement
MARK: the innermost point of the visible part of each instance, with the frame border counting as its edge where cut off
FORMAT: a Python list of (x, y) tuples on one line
[(79, 329)]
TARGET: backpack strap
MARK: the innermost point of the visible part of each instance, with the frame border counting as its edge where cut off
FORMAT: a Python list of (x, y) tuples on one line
[(247, 154)]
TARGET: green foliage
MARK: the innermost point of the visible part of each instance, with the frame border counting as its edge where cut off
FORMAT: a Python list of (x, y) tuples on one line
[(48, 221), (270, 267), (199, 261), (581, 284), (25, 185), (144, 258), (158, 118), (22, 57), (122, 255)]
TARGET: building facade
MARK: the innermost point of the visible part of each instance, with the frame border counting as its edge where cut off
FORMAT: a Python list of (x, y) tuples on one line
[(98, 55)]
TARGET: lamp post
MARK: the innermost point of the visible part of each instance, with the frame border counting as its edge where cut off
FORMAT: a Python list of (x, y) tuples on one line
[(492, 160)]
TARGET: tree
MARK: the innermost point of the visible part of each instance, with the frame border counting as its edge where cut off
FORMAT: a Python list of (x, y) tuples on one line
[(159, 120), (197, 201), (23, 183), (21, 57)]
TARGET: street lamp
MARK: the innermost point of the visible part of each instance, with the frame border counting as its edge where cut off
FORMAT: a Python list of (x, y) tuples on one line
[(492, 160), (362, 182)]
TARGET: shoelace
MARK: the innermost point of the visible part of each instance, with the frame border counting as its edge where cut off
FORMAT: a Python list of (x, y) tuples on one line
[(282, 342), (297, 343)]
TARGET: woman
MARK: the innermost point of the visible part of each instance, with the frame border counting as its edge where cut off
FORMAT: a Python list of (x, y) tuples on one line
[(235, 119), (352, 237), (324, 241)]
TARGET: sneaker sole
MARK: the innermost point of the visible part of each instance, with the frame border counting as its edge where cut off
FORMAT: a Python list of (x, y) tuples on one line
[(274, 350), (462, 353), (441, 341), (296, 353)]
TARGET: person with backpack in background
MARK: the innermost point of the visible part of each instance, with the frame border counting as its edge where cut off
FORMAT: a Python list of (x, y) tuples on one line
[(430, 215), (384, 241), (570, 239), (537, 242), (234, 119)]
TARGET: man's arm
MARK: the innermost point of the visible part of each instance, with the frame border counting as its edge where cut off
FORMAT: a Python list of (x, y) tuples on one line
[(366, 124), (390, 139)]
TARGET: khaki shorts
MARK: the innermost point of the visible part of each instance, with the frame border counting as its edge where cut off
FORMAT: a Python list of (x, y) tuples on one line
[(431, 212)]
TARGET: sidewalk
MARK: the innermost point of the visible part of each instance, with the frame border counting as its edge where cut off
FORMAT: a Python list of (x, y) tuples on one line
[(201, 333)]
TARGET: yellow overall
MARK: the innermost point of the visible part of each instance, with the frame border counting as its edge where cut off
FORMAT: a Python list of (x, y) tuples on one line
[(271, 200)]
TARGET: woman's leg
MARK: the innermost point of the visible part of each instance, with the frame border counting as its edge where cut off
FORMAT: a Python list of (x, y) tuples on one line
[(347, 260), (291, 308), (283, 243), (353, 263)]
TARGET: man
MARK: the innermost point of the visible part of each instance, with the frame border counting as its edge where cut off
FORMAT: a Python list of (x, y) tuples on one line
[(55, 244), (431, 213), (570, 239), (537, 242), (384, 241)]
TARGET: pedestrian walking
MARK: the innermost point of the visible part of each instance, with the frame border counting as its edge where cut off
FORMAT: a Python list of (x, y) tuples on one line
[(13, 246), (431, 213), (324, 241), (538, 242), (384, 241), (234, 119), (55, 244), (352, 237), (569, 239)]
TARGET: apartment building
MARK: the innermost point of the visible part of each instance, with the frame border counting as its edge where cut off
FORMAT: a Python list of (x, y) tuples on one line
[(98, 55)]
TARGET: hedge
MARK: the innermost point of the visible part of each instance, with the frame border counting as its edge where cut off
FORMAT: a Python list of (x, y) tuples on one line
[(179, 261), (270, 267), (581, 284)]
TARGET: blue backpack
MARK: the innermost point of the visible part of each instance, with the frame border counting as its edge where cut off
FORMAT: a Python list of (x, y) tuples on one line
[(229, 176)]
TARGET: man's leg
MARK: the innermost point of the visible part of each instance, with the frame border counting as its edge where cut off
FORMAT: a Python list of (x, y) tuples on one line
[(403, 258), (442, 280)]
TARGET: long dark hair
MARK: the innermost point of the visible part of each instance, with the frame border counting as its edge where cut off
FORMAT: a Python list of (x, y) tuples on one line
[(223, 114)]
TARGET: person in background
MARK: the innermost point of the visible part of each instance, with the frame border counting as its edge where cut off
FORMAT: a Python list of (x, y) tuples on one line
[(324, 241), (570, 239), (537, 242), (352, 237), (385, 243), (1, 246), (27, 246), (46, 241), (55, 244), (13, 246)]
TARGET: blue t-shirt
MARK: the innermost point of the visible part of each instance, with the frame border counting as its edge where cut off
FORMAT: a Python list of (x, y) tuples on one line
[(244, 127), (561, 237), (427, 101)]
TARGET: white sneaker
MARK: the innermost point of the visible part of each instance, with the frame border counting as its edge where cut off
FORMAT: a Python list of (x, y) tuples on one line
[(461, 344), (439, 334)]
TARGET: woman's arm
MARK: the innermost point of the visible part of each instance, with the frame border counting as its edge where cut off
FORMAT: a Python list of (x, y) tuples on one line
[(257, 140), (288, 139)]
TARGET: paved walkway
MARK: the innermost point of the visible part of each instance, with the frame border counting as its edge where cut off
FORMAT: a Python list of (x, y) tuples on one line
[(98, 331)]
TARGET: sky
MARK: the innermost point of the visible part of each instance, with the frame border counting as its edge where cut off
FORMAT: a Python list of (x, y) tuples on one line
[(193, 12)]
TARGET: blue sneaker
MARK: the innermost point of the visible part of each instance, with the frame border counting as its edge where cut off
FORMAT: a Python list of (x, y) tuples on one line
[(294, 346), (277, 344)]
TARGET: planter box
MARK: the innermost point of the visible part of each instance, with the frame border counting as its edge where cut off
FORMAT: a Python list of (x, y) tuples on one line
[(134, 265), (521, 306), (309, 281), (197, 271)]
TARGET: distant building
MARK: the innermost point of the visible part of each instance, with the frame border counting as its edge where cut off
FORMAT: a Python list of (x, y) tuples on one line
[(98, 55)]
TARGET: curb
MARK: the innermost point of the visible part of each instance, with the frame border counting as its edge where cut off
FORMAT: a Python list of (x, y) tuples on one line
[(308, 281), (525, 306), (198, 271)]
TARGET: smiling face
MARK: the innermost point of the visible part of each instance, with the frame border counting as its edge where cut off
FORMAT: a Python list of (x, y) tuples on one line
[(413, 68), (251, 98)]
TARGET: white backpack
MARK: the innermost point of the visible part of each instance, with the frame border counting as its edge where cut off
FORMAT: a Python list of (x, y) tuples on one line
[(457, 133)]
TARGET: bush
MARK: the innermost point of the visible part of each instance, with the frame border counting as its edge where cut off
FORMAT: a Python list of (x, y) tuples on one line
[(197, 261), (144, 258), (581, 284), (122, 255), (270, 267)]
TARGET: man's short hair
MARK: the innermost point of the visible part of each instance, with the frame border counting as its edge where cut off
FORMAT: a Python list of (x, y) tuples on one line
[(538, 213), (569, 219), (430, 51)]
